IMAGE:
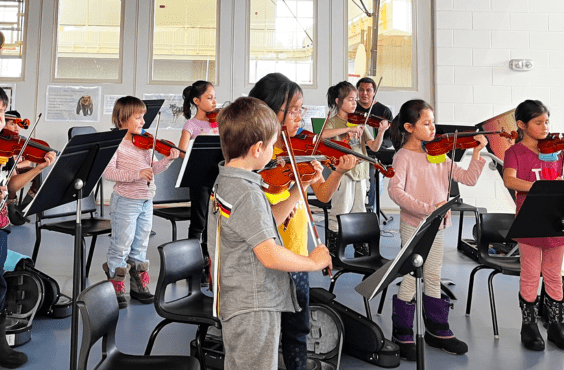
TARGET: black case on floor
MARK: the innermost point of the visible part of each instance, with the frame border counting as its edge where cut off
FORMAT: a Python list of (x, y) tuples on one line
[(363, 338)]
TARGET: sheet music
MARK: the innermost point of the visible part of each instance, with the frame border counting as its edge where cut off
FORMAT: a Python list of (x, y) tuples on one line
[(184, 162)]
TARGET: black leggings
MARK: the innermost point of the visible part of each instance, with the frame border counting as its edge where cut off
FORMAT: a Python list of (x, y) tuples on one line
[(199, 197)]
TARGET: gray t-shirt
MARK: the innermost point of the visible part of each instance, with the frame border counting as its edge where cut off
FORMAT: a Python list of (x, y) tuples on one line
[(246, 285)]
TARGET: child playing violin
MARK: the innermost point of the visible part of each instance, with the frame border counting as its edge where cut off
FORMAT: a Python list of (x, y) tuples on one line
[(201, 96), (131, 204), (8, 357), (523, 165), (14, 213), (285, 98), (254, 284), (351, 194), (419, 186)]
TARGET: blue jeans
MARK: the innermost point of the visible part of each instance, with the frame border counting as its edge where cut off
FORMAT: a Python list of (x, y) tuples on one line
[(372, 190), (132, 220), (295, 326), (3, 256)]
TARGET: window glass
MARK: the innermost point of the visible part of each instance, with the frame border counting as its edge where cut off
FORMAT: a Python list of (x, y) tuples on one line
[(282, 39), (12, 28), (393, 55), (88, 40), (184, 41)]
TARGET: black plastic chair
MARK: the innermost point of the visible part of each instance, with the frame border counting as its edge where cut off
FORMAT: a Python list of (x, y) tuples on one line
[(493, 228), (183, 260), (100, 314), (91, 226), (359, 228), (83, 130), (167, 193)]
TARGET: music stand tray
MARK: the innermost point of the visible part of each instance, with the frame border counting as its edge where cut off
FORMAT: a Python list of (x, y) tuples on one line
[(542, 212), (410, 259), (199, 167), (73, 176)]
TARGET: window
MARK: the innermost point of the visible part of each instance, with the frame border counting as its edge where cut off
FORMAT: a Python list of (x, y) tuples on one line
[(282, 39), (88, 40), (393, 57), (12, 26), (184, 41)]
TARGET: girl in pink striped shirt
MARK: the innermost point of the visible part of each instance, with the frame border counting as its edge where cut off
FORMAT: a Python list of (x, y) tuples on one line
[(131, 204), (419, 186)]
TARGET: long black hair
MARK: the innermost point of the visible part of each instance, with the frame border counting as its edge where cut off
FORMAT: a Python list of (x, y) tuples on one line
[(410, 112), (338, 92), (526, 111), (196, 90), (275, 90)]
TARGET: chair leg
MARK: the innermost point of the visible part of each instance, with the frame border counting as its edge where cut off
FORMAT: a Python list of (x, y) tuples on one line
[(471, 287), (90, 255), (200, 337), (37, 244), (334, 281), (173, 230), (448, 292), (83, 266), (382, 300), (154, 334), (367, 308), (492, 303)]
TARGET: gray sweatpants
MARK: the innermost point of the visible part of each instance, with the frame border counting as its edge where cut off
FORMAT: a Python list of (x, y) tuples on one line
[(349, 198), (251, 341)]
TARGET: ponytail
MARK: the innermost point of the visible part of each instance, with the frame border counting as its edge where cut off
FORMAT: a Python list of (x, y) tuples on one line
[(410, 112), (196, 90), (336, 94)]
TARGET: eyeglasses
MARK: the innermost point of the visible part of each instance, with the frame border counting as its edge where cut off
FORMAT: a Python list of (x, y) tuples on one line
[(294, 113)]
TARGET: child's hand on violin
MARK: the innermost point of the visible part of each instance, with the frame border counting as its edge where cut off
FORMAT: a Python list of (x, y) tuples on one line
[(483, 142), (357, 130), (318, 174), (174, 153), (147, 174), (49, 160), (320, 255), (346, 163)]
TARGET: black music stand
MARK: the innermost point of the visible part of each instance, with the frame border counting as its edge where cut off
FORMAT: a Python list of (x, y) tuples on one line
[(410, 260), (386, 156), (153, 108), (542, 213), (199, 167), (73, 177)]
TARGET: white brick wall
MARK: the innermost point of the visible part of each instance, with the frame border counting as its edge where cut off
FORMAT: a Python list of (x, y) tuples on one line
[(474, 42)]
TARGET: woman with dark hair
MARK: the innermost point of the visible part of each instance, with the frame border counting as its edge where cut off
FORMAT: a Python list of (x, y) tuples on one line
[(523, 165), (285, 98)]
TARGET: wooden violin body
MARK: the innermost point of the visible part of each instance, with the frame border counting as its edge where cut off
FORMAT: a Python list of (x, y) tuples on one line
[(444, 143), (553, 143), (359, 118), (145, 142), (11, 144)]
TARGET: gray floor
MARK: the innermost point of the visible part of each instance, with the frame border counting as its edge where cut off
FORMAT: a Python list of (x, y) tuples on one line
[(50, 344)]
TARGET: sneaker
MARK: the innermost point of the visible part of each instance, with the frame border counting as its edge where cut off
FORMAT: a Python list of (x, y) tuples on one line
[(118, 281), (139, 279), (361, 249)]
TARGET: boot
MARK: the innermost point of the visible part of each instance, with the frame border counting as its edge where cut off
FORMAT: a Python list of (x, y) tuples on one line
[(15, 216), (402, 328), (555, 320), (361, 249), (139, 279), (437, 331), (118, 280), (9, 358), (530, 335)]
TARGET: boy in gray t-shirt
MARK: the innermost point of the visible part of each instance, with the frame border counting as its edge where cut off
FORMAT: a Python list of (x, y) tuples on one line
[(251, 282)]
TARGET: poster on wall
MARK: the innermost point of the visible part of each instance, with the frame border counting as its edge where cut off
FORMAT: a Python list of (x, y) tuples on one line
[(73, 103), (10, 90), (171, 112), (109, 102), (313, 111)]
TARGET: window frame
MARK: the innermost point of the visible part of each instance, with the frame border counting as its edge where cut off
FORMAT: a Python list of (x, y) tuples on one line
[(414, 57), (150, 57), (313, 84), (24, 48), (97, 81)]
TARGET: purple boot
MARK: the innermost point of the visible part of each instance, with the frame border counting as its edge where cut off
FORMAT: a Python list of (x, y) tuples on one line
[(402, 328), (437, 332)]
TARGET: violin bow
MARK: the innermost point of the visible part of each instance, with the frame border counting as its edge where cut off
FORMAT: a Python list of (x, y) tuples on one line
[(3, 202), (312, 228), (452, 164), (372, 103), (154, 143), (318, 140)]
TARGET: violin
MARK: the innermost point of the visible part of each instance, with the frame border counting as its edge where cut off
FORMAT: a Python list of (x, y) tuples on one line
[(443, 144), (277, 175), (145, 142), (212, 117), (23, 123), (11, 144), (303, 144), (551, 144), (359, 118)]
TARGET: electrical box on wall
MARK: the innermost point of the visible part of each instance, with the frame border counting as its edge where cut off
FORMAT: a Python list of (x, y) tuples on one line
[(521, 64)]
